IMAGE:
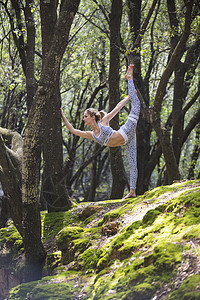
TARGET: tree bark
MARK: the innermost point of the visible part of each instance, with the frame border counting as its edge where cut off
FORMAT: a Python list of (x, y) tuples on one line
[(143, 127), (26, 51), (54, 190), (10, 173), (34, 250), (154, 115), (117, 167)]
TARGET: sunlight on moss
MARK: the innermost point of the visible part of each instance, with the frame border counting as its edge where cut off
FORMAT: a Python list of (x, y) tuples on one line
[(154, 237), (188, 290)]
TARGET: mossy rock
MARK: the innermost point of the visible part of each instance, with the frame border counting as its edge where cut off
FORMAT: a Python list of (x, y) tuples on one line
[(143, 291), (109, 217), (164, 257), (66, 235), (89, 211), (52, 291), (11, 245), (53, 222), (189, 290), (53, 260), (21, 291), (71, 241), (10, 237), (49, 291), (89, 259), (150, 216)]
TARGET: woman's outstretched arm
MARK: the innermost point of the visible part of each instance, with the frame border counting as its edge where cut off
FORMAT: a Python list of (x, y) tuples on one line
[(115, 110), (81, 133)]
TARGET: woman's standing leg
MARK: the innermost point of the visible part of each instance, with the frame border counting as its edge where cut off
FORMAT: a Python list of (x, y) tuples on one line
[(131, 150), (130, 129)]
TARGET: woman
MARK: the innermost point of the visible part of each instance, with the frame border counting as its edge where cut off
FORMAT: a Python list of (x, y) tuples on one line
[(103, 134)]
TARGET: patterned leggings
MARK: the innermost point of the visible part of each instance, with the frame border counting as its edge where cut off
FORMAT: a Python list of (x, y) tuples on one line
[(128, 131)]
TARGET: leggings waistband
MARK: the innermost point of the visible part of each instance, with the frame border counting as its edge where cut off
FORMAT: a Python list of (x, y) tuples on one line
[(121, 131)]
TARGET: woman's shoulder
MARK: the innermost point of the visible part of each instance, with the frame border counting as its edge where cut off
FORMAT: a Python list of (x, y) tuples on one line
[(104, 121)]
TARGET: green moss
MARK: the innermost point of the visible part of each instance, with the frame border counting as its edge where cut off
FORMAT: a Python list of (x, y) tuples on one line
[(10, 237), (110, 216), (38, 291), (11, 245), (155, 193), (192, 232), (89, 211), (142, 291), (58, 291), (52, 223), (61, 287), (53, 260), (133, 279), (164, 257), (21, 291), (189, 290), (150, 216), (89, 258), (129, 279), (66, 235)]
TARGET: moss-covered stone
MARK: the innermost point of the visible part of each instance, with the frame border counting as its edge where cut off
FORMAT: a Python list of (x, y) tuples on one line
[(50, 290), (71, 240), (90, 258), (10, 237), (164, 257), (150, 216), (53, 260), (21, 291), (189, 290), (89, 211), (66, 235), (52, 223), (137, 261), (109, 217)]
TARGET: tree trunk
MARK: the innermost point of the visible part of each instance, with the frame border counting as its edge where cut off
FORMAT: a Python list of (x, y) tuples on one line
[(10, 173), (93, 172), (143, 140), (154, 115), (117, 167), (179, 73), (54, 190), (167, 149), (34, 251)]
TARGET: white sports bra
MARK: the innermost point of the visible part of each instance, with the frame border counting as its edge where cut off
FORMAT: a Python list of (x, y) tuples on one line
[(105, 134)]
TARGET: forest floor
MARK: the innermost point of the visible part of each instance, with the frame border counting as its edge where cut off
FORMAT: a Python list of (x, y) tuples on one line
[(146, 247)]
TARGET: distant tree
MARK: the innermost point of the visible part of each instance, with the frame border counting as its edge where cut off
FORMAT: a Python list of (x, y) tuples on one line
[(119, 179), (169, 142)]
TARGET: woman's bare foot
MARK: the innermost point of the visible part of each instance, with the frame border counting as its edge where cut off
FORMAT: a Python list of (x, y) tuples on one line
[(129, 74), (131, 194)]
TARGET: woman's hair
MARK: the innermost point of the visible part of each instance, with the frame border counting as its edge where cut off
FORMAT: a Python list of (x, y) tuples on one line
[(98, 114)]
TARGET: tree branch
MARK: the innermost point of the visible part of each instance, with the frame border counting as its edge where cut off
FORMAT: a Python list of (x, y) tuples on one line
[(170, 67)]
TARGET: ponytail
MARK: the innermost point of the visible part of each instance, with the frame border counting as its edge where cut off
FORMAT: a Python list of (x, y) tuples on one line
[(102, 113), (98, 114)]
